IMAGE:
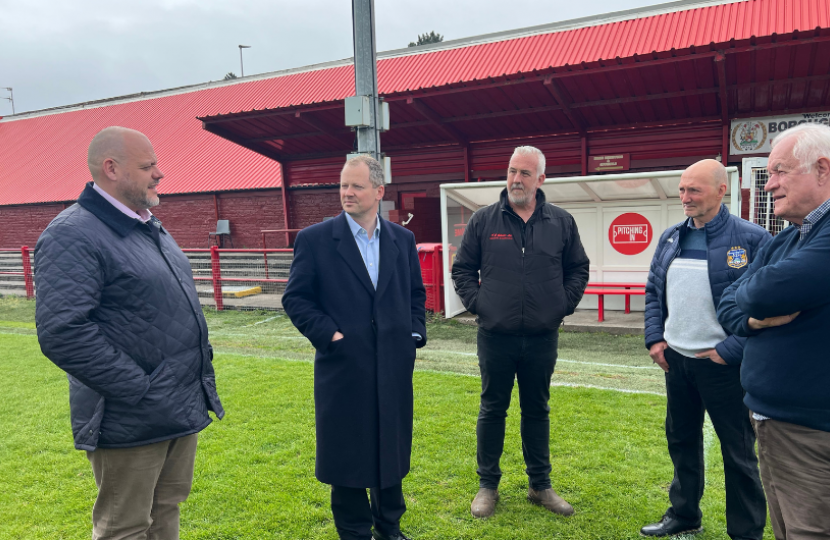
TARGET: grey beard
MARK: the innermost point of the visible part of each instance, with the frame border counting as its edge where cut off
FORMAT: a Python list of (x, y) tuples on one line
[(140, 199), (516, 199)]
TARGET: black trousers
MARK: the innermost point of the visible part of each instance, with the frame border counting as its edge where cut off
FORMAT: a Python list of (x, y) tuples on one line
[(354, 514), (529, 360), (695, 385)]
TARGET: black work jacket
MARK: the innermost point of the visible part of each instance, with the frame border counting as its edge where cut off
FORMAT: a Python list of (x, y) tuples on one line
[(533, 274)]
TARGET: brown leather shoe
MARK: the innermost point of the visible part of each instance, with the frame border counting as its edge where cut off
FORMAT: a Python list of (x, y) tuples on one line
[(550, 500), (484, 505)]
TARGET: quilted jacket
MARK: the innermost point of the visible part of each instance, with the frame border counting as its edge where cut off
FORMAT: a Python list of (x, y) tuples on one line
[(724, 233), (117, 310)]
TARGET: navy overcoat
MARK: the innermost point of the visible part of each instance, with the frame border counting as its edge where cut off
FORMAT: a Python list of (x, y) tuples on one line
[(362, 383)]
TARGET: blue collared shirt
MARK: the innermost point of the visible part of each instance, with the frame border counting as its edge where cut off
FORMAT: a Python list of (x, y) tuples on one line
[(369, 248), (370, 251)]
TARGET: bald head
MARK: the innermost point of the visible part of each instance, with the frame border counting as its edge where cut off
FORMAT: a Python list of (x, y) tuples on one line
[(708, 169), (702, 187), (123, 163), (111, 143)]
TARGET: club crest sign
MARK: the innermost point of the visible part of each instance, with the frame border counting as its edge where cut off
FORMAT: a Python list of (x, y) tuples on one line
[(753, 135), (749, 136), (736, 257), (630, 233)]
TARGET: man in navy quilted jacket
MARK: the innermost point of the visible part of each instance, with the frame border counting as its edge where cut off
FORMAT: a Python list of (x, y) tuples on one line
[(694, 262), (117, 310), (782, 306)]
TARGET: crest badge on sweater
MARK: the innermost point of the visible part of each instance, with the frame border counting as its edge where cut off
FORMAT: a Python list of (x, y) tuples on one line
[(736, 257)]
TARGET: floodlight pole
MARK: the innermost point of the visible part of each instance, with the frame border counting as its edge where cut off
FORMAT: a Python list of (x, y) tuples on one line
[(366, 73), (241, 65), (11, 96)]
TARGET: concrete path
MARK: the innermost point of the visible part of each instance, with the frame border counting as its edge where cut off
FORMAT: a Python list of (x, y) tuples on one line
[(585, 320)]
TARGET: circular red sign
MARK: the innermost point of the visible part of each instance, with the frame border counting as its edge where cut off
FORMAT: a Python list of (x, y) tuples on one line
[(630, 233)]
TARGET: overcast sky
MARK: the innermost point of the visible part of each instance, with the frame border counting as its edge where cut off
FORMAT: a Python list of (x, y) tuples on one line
[(59, 52)]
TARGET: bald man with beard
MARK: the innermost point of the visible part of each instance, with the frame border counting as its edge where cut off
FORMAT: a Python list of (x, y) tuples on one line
[(693, 263), (117, 310)]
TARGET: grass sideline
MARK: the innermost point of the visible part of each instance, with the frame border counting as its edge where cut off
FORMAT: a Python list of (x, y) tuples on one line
[(254, 475)]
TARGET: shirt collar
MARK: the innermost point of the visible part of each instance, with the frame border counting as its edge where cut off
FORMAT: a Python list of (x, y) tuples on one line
[(814, 216), (356, 228), (144, 216)]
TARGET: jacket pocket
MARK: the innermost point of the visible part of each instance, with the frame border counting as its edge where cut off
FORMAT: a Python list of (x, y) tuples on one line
[(209, 387)]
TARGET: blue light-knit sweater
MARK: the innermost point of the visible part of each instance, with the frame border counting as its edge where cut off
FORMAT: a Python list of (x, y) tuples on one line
[(786, 369)]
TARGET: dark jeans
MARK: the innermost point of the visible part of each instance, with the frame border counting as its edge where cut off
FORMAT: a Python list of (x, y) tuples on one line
[(692, 386), (354, 514), (530, 360)]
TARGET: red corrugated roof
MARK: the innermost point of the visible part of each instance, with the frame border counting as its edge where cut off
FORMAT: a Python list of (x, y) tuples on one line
[(680, 30), (43, 157)]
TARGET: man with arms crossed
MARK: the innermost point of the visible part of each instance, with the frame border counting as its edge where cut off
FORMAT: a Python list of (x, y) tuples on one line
[(782, 305), (533, 274), (694, 262), (355, 292), (117, 310)]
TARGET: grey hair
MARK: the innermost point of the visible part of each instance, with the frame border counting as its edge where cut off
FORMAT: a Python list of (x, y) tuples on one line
[(532, 151), (812, 142), (376, 175)]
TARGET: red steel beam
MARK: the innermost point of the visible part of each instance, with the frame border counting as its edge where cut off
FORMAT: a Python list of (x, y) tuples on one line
[(327, 130), (560, 98), (436, 119)]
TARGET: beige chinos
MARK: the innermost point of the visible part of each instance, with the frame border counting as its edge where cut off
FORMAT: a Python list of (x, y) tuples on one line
[(140, 489)]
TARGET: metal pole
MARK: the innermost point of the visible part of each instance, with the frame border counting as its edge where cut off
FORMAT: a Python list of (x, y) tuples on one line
[(11, 96), (241, 65), (216, 277), (28, 278), (366, 73)]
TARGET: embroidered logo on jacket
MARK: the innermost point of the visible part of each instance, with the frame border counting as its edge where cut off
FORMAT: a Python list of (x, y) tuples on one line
[(497, 236), (736, 257)]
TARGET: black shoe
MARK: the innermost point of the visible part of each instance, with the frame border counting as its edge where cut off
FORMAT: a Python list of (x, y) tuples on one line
[(380, 536), (669, 526)]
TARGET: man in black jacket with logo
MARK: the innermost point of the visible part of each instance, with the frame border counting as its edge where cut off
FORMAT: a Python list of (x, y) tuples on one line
[(117, 310), (533, 272)]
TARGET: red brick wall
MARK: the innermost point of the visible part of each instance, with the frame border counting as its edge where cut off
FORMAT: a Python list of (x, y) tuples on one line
[(310, 206), (22, 225), (250, 213), (189, 218)]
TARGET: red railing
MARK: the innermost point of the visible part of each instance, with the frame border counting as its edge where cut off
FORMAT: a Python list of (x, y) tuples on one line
[(28, 275), (216, 270), (286, 231)]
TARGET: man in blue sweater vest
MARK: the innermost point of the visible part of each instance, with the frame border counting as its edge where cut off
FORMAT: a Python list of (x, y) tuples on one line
[(694, 262), (782, 305)]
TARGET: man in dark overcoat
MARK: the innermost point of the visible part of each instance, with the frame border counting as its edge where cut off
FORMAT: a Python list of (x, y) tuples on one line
[(355, 291)]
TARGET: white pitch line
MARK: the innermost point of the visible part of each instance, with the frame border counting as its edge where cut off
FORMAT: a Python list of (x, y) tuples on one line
[(558, 360), (263, 321), (624, 390)]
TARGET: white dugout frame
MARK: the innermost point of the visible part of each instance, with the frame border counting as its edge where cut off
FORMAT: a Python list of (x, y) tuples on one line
[(597, 195)]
